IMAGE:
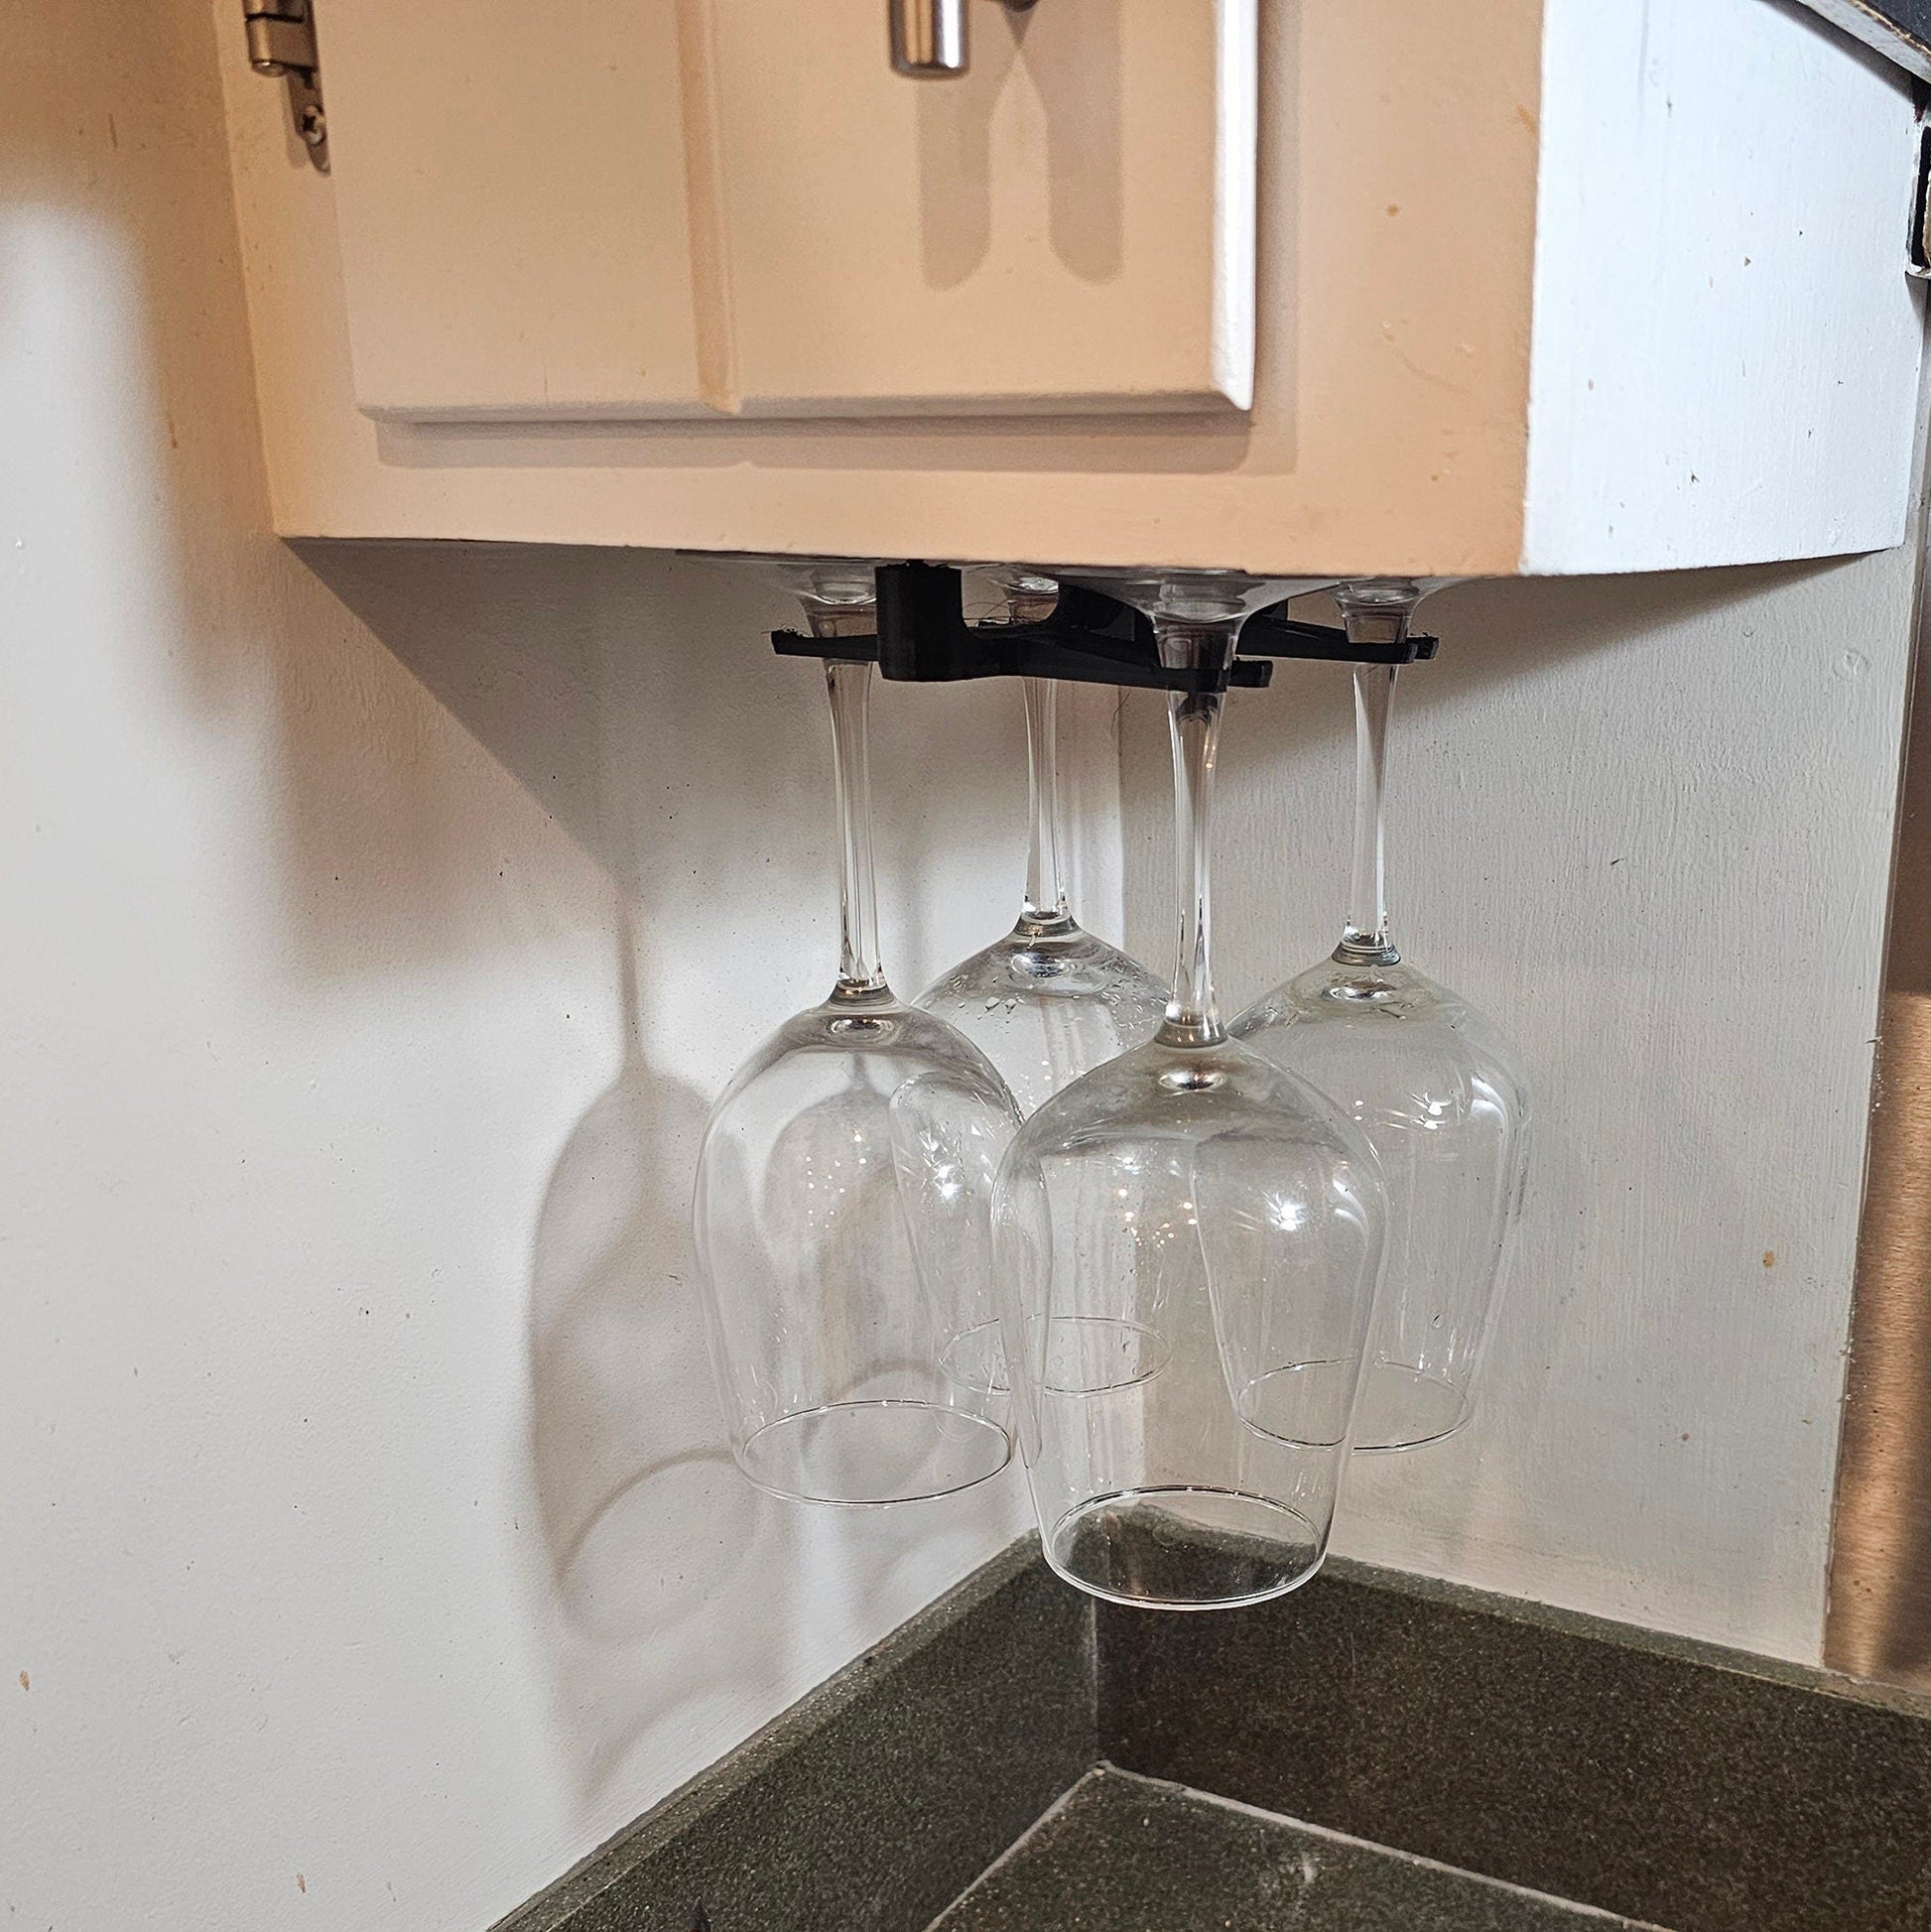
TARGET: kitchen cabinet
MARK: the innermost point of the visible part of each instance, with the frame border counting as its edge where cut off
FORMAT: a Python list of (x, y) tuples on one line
[(1529, 286), (657, 209)]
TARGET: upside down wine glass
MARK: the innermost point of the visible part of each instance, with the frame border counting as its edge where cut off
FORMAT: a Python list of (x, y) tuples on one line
[(1189, 1241), (1048, 1001), (842, 1201), (1431, 1085)]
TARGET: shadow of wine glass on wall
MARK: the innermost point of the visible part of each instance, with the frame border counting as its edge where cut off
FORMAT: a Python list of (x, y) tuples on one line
[(649, 1527), (635, 699)]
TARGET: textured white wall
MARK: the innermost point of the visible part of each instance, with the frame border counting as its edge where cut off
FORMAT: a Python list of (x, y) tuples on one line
[(1646, 823), (1701, 358), (378, 925)]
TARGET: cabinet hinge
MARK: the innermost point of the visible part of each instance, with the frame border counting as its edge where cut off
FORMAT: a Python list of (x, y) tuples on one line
[(282, 45), (1917, 244)]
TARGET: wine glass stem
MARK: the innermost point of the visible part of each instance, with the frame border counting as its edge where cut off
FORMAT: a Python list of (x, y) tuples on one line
[(1045, 886), (1194, 723), (850, 686), (1365, 934), (1375, 610)]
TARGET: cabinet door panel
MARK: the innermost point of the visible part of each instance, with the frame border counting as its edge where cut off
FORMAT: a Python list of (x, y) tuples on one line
[(660, 209), (512, 192), (1070, 227)]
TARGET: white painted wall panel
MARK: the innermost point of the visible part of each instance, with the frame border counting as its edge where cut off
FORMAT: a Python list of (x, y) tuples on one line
[(1646, 823), (1726, 344)]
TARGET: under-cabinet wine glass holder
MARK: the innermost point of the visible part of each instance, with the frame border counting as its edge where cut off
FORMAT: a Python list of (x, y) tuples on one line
[(923, 636)]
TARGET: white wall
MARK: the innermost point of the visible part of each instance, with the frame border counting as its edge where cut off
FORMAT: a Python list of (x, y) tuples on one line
[(376, 930), (1646, 823)]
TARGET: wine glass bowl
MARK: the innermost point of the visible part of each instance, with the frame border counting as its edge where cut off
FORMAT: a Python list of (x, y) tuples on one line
[(841, 1212), (1047, 1001), (1429, 1082), (1187, 1241), (1433, 1089), (844, 1259), (1188, 1238)]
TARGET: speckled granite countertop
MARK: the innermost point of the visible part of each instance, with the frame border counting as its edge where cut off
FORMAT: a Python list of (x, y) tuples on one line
[(1127, 1854), (1374, 1754)]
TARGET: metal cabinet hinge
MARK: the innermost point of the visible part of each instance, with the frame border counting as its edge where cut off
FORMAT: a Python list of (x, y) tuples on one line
[(1917, 244), (282, 45)]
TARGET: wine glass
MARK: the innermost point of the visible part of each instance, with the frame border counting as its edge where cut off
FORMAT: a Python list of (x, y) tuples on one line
[(1048, 1001), (1187, 1241), (1431, 1085), (842, 1200)]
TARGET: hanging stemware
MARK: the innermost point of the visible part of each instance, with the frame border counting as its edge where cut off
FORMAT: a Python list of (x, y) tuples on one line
[(1427, 1079), (1189, 1242), (1048, 1001), (841, 1209)]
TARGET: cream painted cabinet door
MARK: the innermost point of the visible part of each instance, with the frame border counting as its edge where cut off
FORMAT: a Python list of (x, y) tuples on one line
[(1070, 226), (513, 199), (660, 209)]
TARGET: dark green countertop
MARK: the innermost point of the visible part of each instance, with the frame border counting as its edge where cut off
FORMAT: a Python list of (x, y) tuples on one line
[(1375, 1753), (1127, 1854)]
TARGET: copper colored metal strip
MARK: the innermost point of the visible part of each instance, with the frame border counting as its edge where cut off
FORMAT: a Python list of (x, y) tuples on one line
[(1879, 1621), (1879, 1618)]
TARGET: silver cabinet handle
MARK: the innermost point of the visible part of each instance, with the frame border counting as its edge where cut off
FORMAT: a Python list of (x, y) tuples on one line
[(929, 39)]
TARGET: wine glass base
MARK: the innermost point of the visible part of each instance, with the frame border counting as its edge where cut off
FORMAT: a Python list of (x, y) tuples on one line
[(1404, 1407), (1086, 1355), (877, 1452), (977, 1360), (1184, 1548)]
